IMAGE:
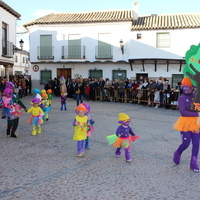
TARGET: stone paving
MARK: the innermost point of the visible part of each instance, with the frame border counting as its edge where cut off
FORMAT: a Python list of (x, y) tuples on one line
[(46, 166)]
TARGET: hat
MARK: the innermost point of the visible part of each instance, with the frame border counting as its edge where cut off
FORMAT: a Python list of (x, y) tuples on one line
[(49, 91), (186, 82), (87, 108), (8, 92), (43, 91), (9, 85), (35, 100), (44, 95), (36, 91), (123, 117), (80, 107)]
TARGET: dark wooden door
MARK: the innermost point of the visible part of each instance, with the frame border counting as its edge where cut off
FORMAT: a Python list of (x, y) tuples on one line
[(63, 72)]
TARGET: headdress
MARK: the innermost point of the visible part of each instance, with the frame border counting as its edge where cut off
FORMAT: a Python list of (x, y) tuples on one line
[(9, 85), (80, 107), (44, 95), (87, 108), (8, 92), (36, 91), (35, 100), (186, 82), (49, 91), (43, 91), (123, 118)]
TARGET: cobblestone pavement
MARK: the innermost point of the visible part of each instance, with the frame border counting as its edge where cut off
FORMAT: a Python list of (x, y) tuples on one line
[(46, 166)]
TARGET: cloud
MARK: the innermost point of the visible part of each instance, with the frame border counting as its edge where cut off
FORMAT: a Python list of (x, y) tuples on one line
[(41, 13)]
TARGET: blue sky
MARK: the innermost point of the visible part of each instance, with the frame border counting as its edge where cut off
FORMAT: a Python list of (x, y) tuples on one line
[(30, 10)]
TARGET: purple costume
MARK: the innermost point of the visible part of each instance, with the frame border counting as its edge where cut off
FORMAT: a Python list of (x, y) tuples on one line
[(123, 132), (184, 102)]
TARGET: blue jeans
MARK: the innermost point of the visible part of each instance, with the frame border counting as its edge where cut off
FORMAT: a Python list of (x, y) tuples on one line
[(79, 99)]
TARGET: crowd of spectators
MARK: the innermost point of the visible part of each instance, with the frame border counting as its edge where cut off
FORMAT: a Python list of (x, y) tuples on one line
[(146, 92), (22, 84)]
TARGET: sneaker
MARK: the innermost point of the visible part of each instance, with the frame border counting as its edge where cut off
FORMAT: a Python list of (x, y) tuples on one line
[(118, 156), (3, 117), (128, 160), (80, 154)]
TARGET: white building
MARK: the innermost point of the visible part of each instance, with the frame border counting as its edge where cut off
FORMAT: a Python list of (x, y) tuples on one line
[(88, 44), (21, 63), (8, 18)]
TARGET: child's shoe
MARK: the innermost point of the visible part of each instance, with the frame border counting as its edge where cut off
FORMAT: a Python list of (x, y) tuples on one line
[(80, 154), (3, 117), (118, 156), (128, 160)]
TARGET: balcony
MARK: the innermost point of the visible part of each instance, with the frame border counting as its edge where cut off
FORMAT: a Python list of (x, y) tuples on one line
[(104, 52), (7, 49), (73, 52), (45, 53)]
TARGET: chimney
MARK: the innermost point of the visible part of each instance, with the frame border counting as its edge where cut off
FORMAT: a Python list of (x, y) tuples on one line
[(135, 10)]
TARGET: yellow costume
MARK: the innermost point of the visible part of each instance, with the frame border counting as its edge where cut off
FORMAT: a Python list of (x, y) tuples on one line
[(80, 130)]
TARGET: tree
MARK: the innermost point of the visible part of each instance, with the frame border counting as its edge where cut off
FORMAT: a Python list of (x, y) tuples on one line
[(192, 68)]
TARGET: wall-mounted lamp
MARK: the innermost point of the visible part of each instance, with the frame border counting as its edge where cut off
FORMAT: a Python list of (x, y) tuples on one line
[(15, 49), (21, 42), (121, 45)]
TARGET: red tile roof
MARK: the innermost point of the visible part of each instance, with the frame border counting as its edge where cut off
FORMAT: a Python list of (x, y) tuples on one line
[(148, 22), (170, 21), (84, 17)]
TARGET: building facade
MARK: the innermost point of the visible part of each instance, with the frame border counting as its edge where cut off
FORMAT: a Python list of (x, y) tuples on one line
[(21, 63), (111, 44), (8, 18)]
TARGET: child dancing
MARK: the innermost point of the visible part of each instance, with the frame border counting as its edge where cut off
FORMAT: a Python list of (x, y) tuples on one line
[(122, 139), (36, 117), (80, 124)]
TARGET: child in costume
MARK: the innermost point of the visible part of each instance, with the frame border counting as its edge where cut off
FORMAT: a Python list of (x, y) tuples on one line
[(16, 113), (45, 106), (188, 125), (63, 99), (7, 103), (36, 117), (36, 93), (122, 138), (49, 93), (90, 128), (80, 124)]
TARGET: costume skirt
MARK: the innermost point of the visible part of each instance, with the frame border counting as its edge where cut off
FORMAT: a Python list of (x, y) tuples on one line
[(185, 124), (35, 120), (121, 142)]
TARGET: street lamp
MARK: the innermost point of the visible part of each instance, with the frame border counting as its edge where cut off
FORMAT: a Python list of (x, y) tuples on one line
[(121, 45), (21, 42)]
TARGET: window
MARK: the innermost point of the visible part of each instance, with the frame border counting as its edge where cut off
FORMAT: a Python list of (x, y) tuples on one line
[(16, 58), (139, 36), (176, 78), (45, 75), (97, 74), (26, 60), (23, 59), (163, 40), (4, 39), (104, 49), (119, 74), (46, 49), (74, 46)]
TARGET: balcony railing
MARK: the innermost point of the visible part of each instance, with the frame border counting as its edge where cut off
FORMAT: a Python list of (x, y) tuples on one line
[(104, 52), (7, 49), (45, 52), (73, 52)]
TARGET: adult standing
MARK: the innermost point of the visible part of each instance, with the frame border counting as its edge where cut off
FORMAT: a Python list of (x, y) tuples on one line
[(79, 89), (188, 125)]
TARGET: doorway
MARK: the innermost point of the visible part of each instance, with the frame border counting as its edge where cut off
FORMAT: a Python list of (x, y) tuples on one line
[(63, 72)]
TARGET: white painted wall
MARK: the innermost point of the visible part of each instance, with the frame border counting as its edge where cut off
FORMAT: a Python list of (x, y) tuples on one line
[(181, 40)]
